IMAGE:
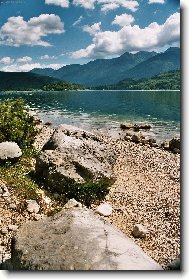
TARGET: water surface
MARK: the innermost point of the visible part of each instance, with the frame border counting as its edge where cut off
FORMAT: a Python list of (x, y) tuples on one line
[(103, 111)]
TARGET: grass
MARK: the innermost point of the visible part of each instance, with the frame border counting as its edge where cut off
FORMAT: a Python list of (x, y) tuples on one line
[(17, 175)]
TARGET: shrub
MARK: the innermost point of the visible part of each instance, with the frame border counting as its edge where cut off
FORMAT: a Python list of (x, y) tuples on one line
[(88, 192), (16, 124)]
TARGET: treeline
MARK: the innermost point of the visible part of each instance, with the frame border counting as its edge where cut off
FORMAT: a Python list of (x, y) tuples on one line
[(61, 86), (166, 81)]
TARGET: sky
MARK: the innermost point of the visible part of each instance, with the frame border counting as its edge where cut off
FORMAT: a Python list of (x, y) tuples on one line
[(55, 33)]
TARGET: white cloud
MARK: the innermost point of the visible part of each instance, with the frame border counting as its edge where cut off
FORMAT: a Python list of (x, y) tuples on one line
[(93, 29), (123, 19), (6, 60), (78, 21), (29, 66), (156, 2), (107, 5), (61, 3), (47, 57), (87, 4), (132, 38), (24, 59), (16, 31)]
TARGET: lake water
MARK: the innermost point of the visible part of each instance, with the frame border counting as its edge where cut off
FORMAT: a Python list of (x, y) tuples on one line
[(103, 111)]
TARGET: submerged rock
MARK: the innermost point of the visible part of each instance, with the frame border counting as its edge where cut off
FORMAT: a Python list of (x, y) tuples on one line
[(76, 239)]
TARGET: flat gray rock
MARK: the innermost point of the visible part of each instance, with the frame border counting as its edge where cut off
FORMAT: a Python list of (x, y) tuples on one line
[(76, 239)]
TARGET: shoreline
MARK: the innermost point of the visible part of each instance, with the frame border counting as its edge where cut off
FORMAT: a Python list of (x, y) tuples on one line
[(85, 90)]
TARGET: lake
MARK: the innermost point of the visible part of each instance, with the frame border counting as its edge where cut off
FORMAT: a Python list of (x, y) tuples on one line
[(103, 111)]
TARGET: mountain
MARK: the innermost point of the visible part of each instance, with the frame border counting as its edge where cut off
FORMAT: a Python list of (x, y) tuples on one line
[(142, 64), (100, 71), (23, 81), (165, 81), (160, 63)]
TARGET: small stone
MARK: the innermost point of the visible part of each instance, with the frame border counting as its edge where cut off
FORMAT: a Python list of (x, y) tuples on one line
[(104, 209), (136, 138), (6, 194), (72, 203), (12, 228), (139, 231), (32, 206), (12, 206), (176, 151), (4, 230), (37, 217)]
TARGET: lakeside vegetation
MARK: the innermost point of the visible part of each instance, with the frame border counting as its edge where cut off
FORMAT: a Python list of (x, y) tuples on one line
[(165, 81), (35, 82)]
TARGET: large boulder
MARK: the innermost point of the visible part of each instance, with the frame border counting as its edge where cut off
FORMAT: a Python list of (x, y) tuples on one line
[(9, 151), (76, 239), (74, 155)]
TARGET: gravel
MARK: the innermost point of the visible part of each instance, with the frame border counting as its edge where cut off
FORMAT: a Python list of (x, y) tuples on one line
[(147, 191)]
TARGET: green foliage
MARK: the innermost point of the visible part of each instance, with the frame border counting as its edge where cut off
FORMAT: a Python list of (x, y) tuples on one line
[(60, 86), (16, 124), (166, 81), (17, 176), (88, 192)]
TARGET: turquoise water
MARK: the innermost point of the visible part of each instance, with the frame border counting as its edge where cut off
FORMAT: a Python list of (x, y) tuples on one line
[(103, 111)]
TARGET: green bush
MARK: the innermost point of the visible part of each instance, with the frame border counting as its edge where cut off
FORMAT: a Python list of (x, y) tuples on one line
[(16, 124), (88, 192)]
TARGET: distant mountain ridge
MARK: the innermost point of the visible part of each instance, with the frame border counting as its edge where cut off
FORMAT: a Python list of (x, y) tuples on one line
[(142, 64)]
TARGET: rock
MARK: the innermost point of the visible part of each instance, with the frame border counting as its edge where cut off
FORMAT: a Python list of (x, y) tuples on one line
[(126, 126), (174, 265), (176, 151), (139, 231), (174, 143), (12, 228), (136, 138), (4, 230), (42, 137), (38, 217), (152, 140), (145, 141), (9, 150), (165, 145), (136, 127), (12, 206), (76, 239), (127, 138), (73, 155), (104, 209), (32, 206)]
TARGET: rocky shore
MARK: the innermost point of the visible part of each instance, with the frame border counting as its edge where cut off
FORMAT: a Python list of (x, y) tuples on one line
[(146, 190)]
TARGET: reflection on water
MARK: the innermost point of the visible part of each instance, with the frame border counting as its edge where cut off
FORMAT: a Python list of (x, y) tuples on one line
[(105, 110)]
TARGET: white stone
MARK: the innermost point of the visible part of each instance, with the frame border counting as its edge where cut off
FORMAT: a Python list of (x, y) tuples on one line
[(4, 230), (104, 209), (139, 231), (32, 206), (9, 150), (12, 228)]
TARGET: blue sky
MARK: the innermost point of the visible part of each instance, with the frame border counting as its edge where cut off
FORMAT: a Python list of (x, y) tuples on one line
[(54, 33)]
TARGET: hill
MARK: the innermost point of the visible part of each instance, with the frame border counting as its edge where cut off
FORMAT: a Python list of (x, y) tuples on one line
[(166, 81), (142, 64), (31, 81)]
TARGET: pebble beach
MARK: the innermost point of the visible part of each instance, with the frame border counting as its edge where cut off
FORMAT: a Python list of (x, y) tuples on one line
[(146, 191)]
